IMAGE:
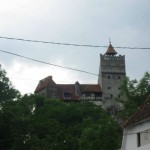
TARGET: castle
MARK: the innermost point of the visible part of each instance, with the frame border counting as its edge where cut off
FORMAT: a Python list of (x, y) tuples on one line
[(111, 73)]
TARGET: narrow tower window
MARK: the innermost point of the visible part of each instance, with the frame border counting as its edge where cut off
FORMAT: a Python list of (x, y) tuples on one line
[(109, 87)]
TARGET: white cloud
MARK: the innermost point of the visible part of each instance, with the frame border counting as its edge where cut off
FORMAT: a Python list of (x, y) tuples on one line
[(25, 76), (80, 21)]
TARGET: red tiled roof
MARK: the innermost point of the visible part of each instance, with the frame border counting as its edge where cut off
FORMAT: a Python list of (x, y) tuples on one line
[(141, 114), (46, 82), (66, 88), (70, 88), (111, 50), (90, 88)]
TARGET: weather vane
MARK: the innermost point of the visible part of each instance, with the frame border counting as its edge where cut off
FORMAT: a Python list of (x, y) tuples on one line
[(109, 40)]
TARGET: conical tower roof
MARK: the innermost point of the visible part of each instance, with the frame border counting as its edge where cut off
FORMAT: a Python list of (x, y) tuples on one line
[(111, 50)]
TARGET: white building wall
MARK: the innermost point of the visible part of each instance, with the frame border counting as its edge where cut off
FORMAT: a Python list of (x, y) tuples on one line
[(130, 141)]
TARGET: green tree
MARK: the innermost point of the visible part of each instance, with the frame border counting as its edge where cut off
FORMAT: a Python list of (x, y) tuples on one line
[(104, 134), (7, 91), (34, 122), (136, 93), (7, 96)]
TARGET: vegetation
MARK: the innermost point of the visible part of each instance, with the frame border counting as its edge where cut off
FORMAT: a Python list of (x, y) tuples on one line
[(7, 91), (38, 123), (136, 93), (32, 122)]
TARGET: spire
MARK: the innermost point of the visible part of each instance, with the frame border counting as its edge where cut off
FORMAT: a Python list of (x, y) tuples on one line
[(111, 50)]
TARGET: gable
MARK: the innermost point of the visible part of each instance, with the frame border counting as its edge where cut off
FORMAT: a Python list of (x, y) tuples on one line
[(141, 114)]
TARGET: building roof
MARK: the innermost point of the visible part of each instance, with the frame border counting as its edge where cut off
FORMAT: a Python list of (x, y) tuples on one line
[(142, 113), (111, 50), (48, 81), (67, 88), (90, 88)]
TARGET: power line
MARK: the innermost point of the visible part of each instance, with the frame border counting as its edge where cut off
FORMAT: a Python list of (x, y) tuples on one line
[(69, 68), (68, 44), (39, 61)]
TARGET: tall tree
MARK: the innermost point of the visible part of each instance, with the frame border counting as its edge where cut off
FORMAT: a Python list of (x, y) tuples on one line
[(7, 91), (35, 122), (136, 93)]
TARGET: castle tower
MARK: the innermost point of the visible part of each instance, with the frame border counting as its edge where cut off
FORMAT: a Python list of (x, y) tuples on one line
[(111, 73)]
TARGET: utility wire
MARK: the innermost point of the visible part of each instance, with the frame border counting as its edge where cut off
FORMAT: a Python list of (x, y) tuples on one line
[(69, 68), (68, 44)]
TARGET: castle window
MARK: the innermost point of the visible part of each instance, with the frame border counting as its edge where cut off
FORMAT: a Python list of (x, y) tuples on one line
[(119, 77), (67, 95), (92, 94), (111, 96), (98, 94), (109, 87), (87, 94), (108, 77), (83, 94)]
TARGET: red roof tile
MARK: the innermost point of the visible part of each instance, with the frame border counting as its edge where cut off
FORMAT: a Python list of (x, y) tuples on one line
[(46, 82), (66, 88), (90, 88), (141, 114), (111, 50)]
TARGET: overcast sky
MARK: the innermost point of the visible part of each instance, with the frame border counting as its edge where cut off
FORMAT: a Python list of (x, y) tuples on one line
[(126, 22)]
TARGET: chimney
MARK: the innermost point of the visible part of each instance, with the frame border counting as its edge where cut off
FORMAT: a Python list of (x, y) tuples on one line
[(77, 88)]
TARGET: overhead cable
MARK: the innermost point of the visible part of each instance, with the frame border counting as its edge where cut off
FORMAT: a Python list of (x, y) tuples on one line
[(18, 55), (47, 63), (69, 44)]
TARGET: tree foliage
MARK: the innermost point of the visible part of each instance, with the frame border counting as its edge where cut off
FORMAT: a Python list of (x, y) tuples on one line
[(34, 122), (136, 93), (7, 91)]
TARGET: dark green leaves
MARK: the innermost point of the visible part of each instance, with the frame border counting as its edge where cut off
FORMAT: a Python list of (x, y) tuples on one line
[(7, 91), (35, 122)]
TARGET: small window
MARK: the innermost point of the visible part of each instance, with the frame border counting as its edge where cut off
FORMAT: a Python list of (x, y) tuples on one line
[(83, 94), (97, 94), (109, 88), (87, 94), (92, 94), (119, 77), (111, 96), (143, 138), (138, 140), (108, 77), (67, 94)]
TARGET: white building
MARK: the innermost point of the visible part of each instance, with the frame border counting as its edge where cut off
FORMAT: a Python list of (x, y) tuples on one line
[(137, 130)]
